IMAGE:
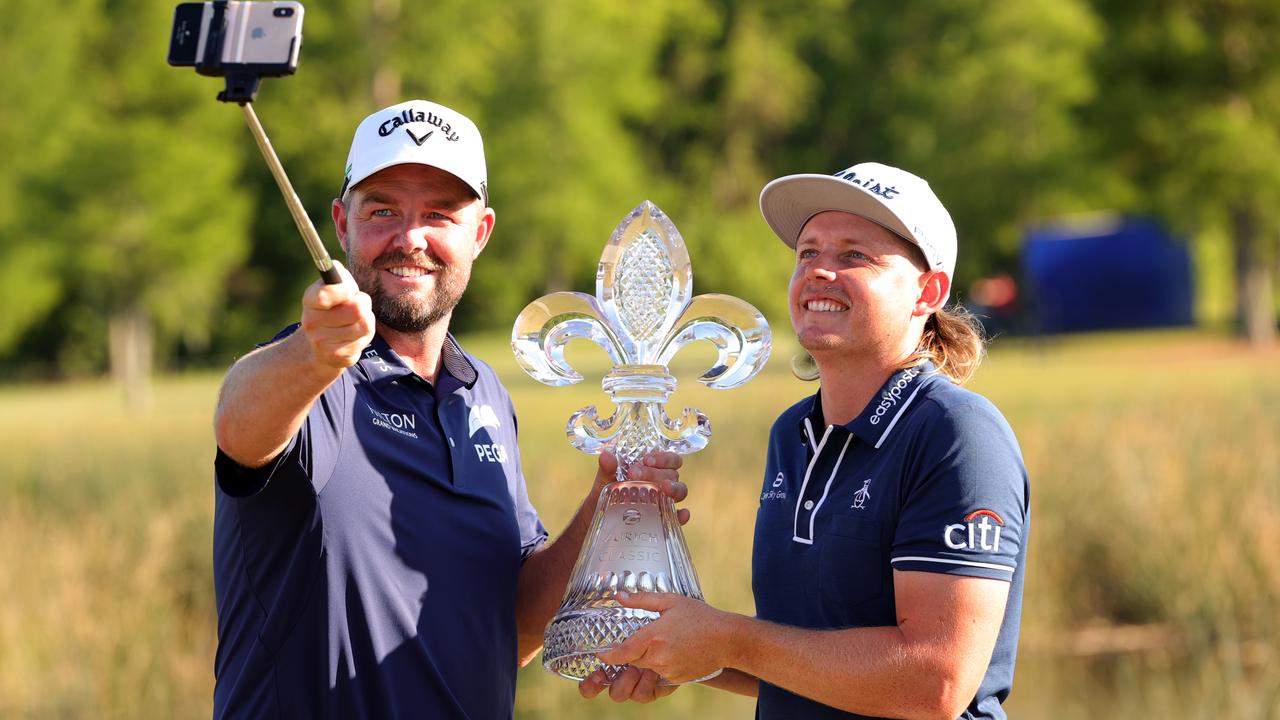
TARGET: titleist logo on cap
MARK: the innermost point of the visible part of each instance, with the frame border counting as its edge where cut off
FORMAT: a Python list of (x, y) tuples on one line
[(410, 116), (869, 184)]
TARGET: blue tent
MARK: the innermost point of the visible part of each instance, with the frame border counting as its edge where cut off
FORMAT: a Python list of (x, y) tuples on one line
[(1105, 271)]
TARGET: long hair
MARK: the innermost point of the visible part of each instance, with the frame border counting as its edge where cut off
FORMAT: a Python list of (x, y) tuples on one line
[(952, 340)]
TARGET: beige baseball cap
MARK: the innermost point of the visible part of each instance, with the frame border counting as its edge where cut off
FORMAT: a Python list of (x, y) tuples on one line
[(892, 198)]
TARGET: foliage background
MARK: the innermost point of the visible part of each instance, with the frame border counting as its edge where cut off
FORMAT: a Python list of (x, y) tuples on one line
[(136, 213), (139, 228)]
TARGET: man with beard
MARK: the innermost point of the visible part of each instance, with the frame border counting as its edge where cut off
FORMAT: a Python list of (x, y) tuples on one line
[(891, 535), (375, 551)]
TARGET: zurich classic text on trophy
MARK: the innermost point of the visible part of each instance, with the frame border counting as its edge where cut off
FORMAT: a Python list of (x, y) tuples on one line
[(642, 314)]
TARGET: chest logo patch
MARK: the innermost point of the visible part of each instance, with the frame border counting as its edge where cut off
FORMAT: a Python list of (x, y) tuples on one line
[(777, 492), (481, 416), (860, 498), (403, 423)]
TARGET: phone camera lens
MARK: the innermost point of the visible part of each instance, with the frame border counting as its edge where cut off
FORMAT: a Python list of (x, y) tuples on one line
[(283, 12)]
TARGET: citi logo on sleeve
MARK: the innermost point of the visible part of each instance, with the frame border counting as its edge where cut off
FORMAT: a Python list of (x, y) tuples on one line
[(975, 533)]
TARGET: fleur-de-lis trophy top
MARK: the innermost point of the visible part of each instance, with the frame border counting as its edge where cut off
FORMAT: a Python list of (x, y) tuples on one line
[(643, 312)]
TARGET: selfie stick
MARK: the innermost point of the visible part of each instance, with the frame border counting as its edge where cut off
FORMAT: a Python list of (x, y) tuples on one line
[(318, 254), (242, 88)]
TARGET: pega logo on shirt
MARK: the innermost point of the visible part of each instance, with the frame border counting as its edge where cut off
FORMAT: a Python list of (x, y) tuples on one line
[(404, 423), (971, 535), (890, 397), (483, 416)]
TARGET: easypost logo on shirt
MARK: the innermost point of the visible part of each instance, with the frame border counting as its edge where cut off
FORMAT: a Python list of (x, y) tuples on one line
[(483, 416), (889, 398)]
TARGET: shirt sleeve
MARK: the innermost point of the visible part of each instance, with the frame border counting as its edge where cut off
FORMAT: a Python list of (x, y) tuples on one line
[(965, 510), (311, 453), (533, 535)]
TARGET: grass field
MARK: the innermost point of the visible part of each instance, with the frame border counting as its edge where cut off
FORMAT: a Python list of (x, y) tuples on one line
[(1153, 569)]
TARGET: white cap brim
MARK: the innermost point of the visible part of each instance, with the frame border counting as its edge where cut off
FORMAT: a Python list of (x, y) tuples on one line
[(413, 159), (790, 202)]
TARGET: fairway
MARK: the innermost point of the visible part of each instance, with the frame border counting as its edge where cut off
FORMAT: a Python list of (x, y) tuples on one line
[(1155, 477)]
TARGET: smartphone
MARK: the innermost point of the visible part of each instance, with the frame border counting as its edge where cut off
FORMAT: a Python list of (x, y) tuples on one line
[(261, 38)]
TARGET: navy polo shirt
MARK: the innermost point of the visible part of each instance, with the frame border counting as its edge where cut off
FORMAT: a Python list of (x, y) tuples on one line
[(928, 477), (370, 570)]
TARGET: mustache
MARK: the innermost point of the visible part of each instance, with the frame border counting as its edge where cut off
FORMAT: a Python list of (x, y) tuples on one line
[(396, 257)]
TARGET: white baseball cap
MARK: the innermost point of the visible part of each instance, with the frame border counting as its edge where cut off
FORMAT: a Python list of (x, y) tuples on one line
[(418, 132), (894, 199)]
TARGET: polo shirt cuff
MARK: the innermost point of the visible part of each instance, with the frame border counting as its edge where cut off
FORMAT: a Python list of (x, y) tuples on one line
[(239, 481), (969, 567)]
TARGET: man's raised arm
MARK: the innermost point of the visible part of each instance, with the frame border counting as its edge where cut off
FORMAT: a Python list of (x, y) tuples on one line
[(268, 393)]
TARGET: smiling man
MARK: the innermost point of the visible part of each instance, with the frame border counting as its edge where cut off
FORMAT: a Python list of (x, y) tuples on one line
[(891, 534), (375, 551)]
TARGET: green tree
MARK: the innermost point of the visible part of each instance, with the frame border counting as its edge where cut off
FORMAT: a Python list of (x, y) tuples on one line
[(1191, 109), (979, 98), (151, 215), (40, 118)]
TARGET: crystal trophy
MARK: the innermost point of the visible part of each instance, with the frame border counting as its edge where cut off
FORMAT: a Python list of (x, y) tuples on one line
[(642, 314)]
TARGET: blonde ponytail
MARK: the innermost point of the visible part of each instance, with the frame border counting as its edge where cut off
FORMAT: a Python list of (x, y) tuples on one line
[(953, 342)]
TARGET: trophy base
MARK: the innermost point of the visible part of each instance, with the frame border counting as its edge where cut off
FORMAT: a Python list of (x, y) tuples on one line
[(574, 637)]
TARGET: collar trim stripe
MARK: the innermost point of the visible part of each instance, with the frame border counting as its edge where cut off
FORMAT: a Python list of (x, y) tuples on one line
[(826, 490), (817, 453), (809, 435), (898, 415)]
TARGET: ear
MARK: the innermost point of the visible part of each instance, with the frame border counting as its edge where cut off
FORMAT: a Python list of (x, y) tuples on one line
[(934, 287), (484, 229), (339, 212)]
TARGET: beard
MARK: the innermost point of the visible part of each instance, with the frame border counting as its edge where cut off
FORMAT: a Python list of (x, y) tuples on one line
[(410, 312)]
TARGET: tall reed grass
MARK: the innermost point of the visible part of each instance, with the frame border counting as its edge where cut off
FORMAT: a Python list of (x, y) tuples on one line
[(1153, 569)]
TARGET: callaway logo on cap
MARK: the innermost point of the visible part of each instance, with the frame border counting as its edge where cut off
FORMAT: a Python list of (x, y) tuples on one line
[(418, 132), (894, 199)]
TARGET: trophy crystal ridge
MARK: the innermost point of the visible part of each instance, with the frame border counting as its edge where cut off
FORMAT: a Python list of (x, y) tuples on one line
[(642, 314)]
